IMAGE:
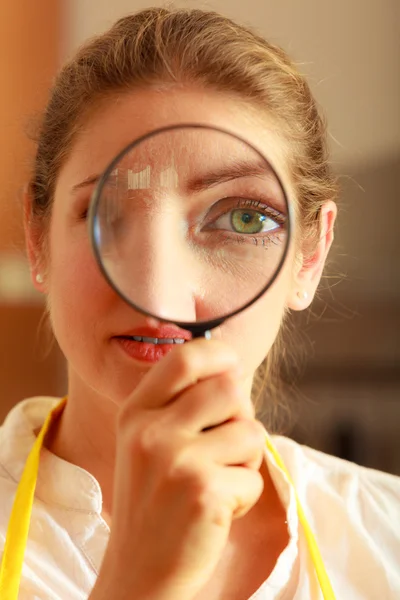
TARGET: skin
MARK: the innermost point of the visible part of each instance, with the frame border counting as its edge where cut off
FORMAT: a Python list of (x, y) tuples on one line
[(100, 376)]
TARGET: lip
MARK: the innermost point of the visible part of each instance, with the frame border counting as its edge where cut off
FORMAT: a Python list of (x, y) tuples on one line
[(146, 352)]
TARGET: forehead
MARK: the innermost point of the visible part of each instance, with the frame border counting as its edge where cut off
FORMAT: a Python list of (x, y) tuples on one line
[(118, 120)]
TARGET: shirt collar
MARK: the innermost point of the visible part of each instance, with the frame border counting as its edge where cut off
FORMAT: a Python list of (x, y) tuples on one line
[(58, 480)]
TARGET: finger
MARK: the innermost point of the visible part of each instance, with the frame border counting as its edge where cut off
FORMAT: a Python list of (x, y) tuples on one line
[(240, 487), (210, 403), (240, 442), (184, 366)]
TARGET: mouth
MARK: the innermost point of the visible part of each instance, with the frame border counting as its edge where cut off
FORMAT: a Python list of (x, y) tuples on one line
[(153, 340), (150, 344)]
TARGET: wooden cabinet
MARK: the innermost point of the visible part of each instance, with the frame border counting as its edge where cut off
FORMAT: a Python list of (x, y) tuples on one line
[(29, 363)]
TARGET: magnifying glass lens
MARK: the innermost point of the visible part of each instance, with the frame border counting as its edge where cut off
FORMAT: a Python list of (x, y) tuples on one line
[(190, 224)]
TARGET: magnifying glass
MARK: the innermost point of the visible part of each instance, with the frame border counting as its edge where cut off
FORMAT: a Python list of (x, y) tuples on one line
[(190, 225)]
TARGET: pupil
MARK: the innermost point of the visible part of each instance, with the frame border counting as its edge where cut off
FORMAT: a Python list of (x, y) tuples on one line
[(246, 218)]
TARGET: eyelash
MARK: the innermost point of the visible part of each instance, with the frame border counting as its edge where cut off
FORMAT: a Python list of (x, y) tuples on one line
[(260, 206)]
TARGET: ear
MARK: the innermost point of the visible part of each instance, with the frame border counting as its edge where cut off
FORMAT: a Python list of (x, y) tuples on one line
[(33, 241), (308, 270)]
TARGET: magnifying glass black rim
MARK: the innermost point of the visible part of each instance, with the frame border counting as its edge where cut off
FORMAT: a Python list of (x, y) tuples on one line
[(192, 326)]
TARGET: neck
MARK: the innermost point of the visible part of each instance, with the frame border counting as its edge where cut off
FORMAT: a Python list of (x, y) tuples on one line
[(85, 435)]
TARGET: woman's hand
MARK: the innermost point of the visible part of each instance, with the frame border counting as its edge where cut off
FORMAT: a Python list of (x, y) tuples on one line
[(188, 456)]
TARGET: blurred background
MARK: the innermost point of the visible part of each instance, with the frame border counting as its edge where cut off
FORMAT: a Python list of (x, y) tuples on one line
[(346, 399)]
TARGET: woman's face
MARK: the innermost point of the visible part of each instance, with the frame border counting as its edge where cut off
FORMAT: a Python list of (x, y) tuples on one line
[(88, 317)]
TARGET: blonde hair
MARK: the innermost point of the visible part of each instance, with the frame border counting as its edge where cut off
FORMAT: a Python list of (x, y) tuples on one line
[(160, 45)]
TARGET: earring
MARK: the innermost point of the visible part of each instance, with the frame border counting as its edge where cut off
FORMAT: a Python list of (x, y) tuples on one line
[(303, 295), (39, 278)]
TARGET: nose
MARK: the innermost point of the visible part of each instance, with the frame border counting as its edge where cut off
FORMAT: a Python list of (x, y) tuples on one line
[(152, 265)]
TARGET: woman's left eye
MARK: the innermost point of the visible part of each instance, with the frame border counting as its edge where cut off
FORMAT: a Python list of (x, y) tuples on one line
[(246, 221)]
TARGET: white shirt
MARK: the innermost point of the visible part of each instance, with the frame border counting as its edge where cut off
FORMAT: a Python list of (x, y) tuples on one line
[(353, 511)]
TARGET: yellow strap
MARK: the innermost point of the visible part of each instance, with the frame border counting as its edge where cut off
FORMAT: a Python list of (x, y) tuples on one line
[(18, 526), (316, 557)]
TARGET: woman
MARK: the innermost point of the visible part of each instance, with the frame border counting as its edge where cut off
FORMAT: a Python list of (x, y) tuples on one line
[(154, 481)]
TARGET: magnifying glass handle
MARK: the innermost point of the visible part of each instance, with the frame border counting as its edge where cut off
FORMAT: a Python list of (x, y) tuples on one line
[(202, 330), (202, 334)]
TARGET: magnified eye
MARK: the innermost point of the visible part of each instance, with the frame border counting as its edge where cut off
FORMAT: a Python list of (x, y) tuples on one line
[(248, 221)]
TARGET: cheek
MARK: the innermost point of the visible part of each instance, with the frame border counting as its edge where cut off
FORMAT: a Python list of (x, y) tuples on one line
[(253, 332), (79, 297)]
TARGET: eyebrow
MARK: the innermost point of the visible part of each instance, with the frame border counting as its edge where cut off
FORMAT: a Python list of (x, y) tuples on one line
[(237, 170), (88, 181)]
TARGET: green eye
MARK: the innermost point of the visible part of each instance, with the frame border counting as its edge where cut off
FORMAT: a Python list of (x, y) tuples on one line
[(247, 221)]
